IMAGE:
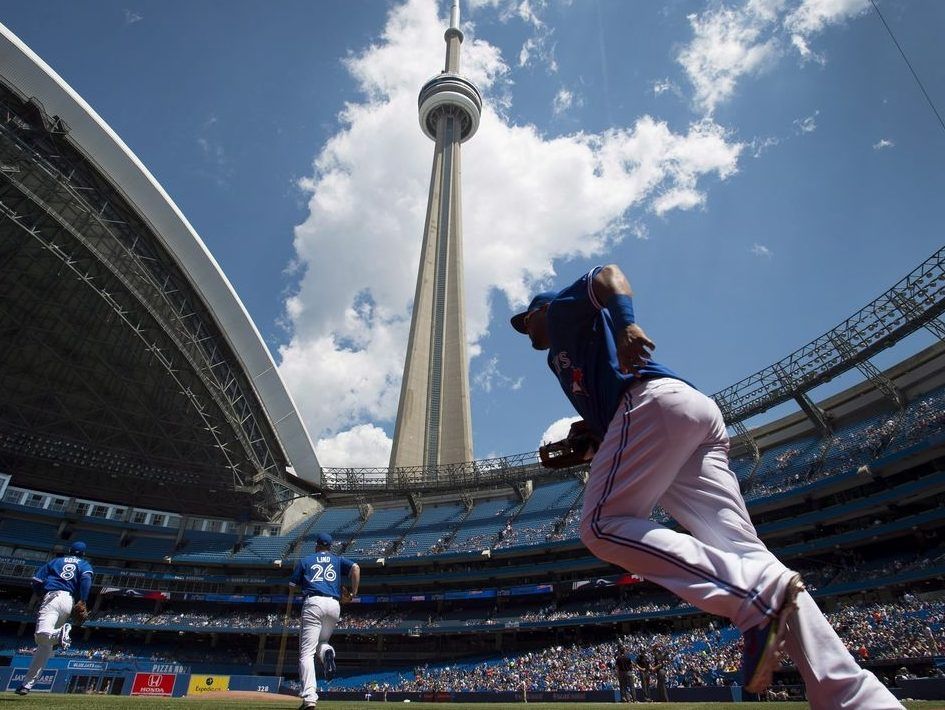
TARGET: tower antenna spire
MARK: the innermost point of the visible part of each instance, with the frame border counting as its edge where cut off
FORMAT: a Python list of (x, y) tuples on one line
[(433, 419)]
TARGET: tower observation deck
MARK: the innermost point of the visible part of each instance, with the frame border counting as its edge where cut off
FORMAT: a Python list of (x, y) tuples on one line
[(433, 418)]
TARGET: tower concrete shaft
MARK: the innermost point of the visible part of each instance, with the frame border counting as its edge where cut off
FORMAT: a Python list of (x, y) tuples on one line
[(433, 419)]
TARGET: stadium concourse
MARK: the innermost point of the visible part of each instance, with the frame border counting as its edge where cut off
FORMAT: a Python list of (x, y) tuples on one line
[(141, 413)]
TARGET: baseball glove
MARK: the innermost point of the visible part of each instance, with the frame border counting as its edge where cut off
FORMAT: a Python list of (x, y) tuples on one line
[(576, 449), (346, 596), (80, 613)]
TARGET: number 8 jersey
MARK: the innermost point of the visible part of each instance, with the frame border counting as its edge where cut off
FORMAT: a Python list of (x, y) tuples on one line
[(63, 574), (320, 574)]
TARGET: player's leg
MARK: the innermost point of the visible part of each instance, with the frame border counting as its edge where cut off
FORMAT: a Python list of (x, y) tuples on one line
[(832, 676), (706, 500), (53, 611), (330, 613), (308, 642), (650, 439)]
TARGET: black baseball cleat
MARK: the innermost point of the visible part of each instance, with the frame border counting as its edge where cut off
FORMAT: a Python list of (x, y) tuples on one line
[(330, 666), (307, 705), (22, 690)]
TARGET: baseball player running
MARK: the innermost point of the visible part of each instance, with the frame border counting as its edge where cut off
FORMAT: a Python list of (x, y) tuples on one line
[(318, 576), (65, 583), (662, 441)]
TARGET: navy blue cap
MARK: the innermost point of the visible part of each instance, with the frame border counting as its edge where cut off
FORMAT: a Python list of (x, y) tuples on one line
[(77, 548), (323, 539), (542, 299)]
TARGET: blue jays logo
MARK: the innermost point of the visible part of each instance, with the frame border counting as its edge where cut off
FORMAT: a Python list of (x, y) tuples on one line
[(566, 371)]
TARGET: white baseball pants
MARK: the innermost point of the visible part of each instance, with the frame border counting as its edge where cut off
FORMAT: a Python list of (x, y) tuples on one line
[(53, 612), (319, 617), (667, 444)]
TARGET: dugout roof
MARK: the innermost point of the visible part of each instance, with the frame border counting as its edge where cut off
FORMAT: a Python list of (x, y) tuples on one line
[(130, 370)]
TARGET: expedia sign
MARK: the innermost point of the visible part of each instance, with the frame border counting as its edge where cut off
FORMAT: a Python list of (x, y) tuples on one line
[(202, 684), (153, 684)]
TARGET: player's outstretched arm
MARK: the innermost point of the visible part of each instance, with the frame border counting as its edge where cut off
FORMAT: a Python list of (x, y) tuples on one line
[(354, 579), (612, 290)]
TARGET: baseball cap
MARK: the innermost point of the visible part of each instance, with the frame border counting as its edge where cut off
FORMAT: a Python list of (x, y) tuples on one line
[(323, 539), (77, 548), (542, 299)]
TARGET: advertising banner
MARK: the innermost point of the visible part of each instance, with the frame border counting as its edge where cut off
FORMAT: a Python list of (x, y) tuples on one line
[(86, 666), (203, 684), (43, 684), (153, 684)]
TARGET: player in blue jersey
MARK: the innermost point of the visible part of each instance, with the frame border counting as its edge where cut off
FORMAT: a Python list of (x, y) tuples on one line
[(318, 577), (662, 441), (65, 583)]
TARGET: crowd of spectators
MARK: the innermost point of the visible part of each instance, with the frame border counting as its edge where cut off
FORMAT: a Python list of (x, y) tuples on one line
[(910, 628), (848, 567), (852, 448)]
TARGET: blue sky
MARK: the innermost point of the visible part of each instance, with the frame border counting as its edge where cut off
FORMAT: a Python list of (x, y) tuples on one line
[(759, 169)]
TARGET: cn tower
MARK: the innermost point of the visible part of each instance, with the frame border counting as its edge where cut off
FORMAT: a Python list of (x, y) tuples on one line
[(433, 419)]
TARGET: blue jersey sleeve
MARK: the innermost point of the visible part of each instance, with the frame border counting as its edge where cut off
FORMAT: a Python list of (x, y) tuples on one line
[(41, 573), (577, 303), (298, 575), (39, 578), (345, 564), (85, 586)]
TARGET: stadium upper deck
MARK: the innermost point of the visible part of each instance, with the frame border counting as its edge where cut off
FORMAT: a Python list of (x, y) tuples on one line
[(130, 366)]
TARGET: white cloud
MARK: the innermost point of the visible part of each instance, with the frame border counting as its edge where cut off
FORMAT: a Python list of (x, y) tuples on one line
[(358, 249), (663, 86), (490, 377), (564, 100), (557, 430), (132, 17), (760, 146), (807, 54), (362, 446), (730, 43), (539, 48), (807, 124), (812, 16), (761, 250), (883, 143)]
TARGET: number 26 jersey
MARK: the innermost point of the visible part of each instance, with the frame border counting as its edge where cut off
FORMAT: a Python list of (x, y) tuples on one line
[(321, 574)]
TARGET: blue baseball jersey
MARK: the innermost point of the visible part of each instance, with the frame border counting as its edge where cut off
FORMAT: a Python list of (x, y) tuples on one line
[(321, 574), (64, 574), (583, 354)]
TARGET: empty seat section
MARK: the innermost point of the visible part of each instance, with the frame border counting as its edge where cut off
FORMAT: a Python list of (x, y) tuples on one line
[(101, 545), (205, 547), (29, 534)]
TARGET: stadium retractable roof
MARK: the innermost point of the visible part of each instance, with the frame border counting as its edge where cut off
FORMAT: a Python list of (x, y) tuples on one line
[(130, 368)]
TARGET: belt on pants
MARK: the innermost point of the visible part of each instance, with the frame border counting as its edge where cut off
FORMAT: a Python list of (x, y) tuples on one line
[(317, 594)]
